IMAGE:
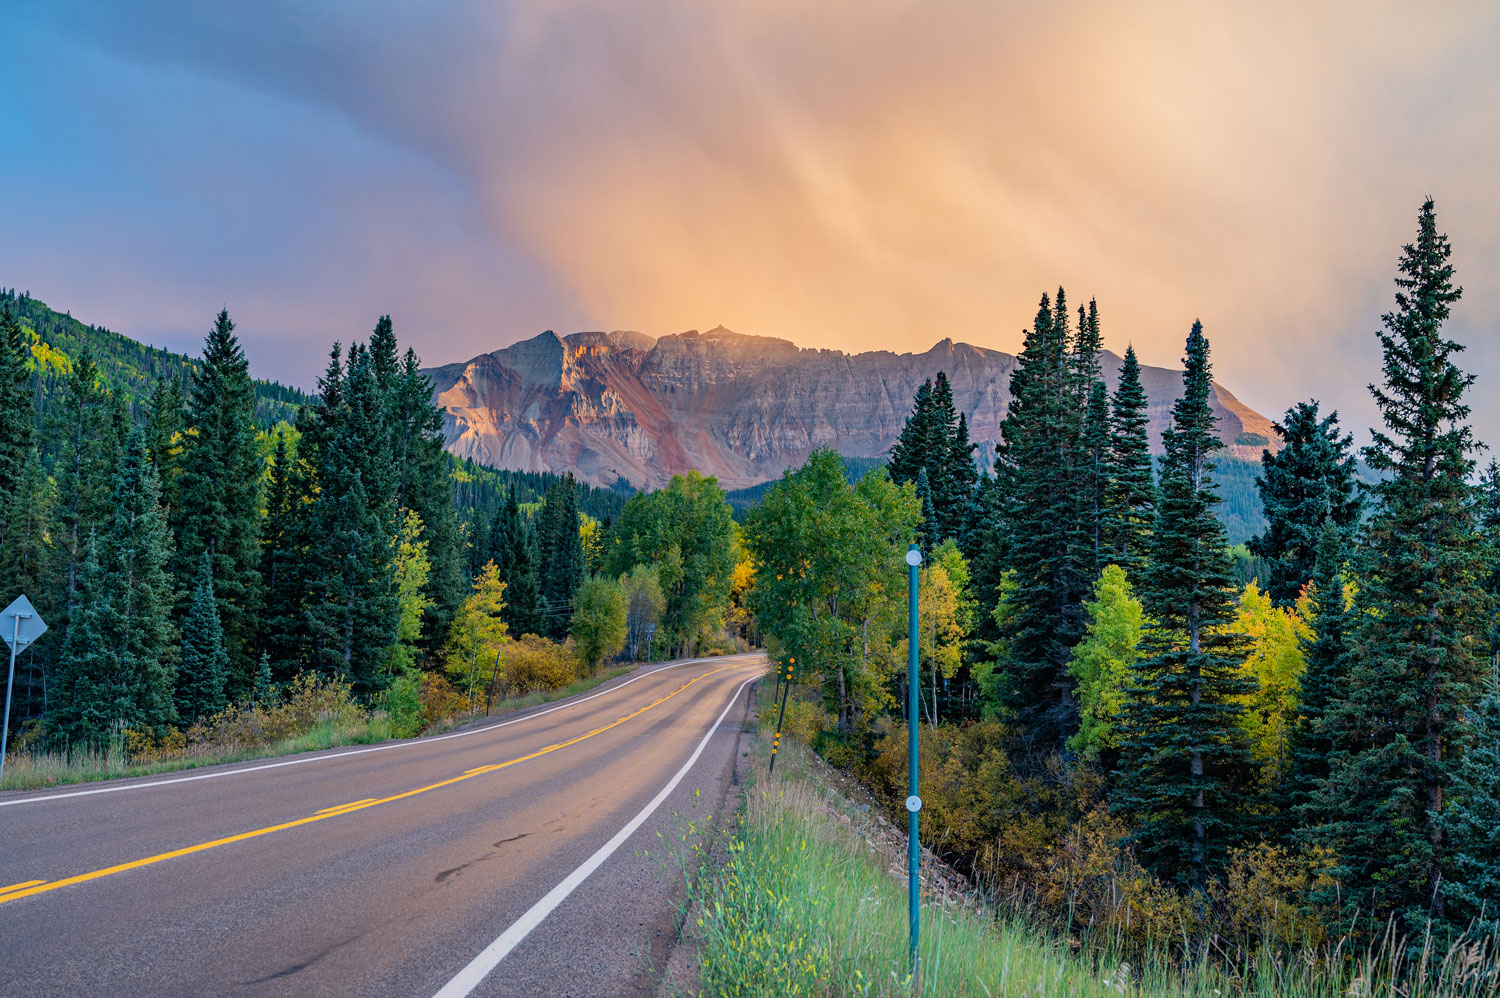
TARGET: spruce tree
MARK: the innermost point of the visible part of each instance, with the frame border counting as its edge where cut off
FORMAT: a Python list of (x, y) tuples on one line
[(203, 666), (84, 437), (1415, 668), (1184, 756), (115, 666), (218, 509), (1043, 538), (1131, 493), (1488, 517), (423, 477), (1323, 682), (17, 417), (929, 530), (910, 452), (511, 547), (1310, 480), (351, 613), (282, 559), (561, 556), (27, 559), (166, 422), (1094, 480)]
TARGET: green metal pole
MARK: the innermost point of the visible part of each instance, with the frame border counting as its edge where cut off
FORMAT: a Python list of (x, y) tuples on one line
[(913, 802)]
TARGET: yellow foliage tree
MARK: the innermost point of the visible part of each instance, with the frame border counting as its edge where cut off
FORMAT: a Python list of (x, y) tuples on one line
[(1276, 661), (478, 632)]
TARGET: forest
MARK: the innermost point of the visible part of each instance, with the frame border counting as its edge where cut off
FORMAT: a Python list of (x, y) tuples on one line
[(1129, 732)]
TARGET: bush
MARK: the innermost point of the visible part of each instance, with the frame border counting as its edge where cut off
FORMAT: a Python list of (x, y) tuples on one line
[(532, 664), (405, 707)]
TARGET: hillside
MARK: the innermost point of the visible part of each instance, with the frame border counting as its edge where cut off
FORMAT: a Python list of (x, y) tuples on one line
[(128, 366), (741, 408)]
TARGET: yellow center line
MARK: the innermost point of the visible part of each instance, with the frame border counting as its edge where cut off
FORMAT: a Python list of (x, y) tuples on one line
[(340, 807), (30, 887)]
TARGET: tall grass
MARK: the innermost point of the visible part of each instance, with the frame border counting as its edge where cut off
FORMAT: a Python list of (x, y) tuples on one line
[(805, 906)]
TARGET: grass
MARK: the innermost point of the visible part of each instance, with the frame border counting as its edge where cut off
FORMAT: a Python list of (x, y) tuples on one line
[(34, 770), (804, 906)]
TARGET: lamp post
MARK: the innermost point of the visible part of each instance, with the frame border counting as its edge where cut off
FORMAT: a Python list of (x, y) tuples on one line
[(913, 801)]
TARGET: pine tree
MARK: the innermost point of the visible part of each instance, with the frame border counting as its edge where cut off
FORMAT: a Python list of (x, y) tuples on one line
[(17, 417), (283, 572), (1094, 480), (561, 556), (84, 438), (351, 601), (929, 529), (1472, 822), (115, 666), (218, 508), (964, 478), (1184, 754), (1043, 537), (166, 422), (27, 558), (264, 690), (203, 667), (910, 451), (1323, 681), (1131, 494), (1310, 480), (423, 480), (1415, 667), (1488, 517), (511, 547)]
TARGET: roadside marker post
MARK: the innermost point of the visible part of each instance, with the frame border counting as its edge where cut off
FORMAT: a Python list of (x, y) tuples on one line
[(26, 625), (785, 692), (914, 801)]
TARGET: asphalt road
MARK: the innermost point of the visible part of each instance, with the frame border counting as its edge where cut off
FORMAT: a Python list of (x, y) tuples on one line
[(515, 859)]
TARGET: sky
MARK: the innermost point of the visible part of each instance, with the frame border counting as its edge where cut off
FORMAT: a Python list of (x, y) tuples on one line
[(850, 174)]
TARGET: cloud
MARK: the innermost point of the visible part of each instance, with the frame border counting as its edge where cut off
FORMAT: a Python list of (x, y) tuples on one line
[(875, 174)]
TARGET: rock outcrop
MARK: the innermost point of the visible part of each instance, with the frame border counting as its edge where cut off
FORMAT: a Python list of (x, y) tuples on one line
[(743, 408)]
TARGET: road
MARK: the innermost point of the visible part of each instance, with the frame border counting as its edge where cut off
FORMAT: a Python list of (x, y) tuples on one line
[(504, 860)]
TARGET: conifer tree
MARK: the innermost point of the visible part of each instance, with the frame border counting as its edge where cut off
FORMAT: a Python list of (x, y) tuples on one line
[(929, 529), (1323, 681), (264, 691), (1415, 667), (17, 417), (910, 451), (511, 544), (27, 557), (1042, 535), (166, 420), (1094, 479), (1488, 517), (1184, 756), (203, 667), (115, 666), (282, 565), (218, 509), (423, 479), (561, 556), (1131, 493), (351, 613), (1310, 480), (84, 436)]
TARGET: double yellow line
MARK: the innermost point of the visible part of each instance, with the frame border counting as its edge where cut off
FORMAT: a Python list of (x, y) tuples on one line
[(29, 887)]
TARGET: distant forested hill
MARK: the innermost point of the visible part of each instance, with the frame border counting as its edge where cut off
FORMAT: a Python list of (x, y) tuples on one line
[(130, 367)]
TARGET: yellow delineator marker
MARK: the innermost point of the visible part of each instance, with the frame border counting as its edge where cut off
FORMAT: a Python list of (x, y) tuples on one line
[(786, 692), (29, 887)]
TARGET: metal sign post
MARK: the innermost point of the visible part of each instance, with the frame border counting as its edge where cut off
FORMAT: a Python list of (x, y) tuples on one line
[(26, 625), (913, 802)]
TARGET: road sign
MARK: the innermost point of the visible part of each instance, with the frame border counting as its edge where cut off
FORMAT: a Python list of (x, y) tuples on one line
[(20, 624)]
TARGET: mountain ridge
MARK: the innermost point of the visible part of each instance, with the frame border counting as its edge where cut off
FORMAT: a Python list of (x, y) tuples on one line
[(742, 407)]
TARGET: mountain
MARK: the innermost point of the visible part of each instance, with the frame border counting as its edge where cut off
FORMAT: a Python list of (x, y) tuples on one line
[(129, 367), (743, 408)]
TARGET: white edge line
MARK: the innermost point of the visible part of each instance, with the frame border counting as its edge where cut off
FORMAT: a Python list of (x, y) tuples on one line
[(407, 743), (466, 980)]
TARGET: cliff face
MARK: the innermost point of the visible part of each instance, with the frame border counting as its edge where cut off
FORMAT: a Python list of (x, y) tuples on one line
[(742, 408)]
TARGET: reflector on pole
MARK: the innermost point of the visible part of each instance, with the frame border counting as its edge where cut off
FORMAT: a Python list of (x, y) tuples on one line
[(914, 801)]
